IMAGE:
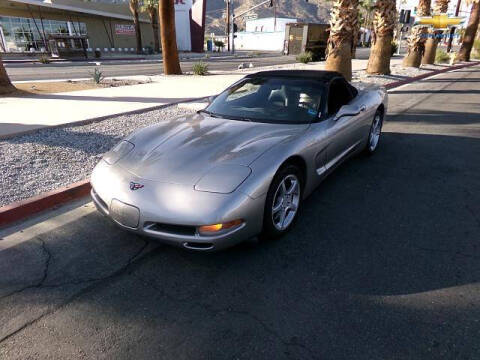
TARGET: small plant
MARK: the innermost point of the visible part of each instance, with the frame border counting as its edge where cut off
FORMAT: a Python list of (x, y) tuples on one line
[(44, 59), (200, 68), (97, 76), (305, 57), (97, 54), (442, 57), (394, 48)]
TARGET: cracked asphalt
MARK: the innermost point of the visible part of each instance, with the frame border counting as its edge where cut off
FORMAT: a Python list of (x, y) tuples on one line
[(383, 263)]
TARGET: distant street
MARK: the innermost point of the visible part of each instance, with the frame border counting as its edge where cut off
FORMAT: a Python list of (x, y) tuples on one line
[(78, 70)]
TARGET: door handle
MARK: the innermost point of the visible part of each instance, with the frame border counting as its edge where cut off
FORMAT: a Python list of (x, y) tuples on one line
[(363, 108)]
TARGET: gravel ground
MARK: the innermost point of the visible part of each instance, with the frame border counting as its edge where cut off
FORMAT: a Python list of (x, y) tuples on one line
[(51, 158), (398, 73)]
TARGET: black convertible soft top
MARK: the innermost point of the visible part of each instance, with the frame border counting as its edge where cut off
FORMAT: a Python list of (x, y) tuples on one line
[(321, 75)]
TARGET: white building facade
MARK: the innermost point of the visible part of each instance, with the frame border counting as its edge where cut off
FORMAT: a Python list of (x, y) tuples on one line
[(266, 34)]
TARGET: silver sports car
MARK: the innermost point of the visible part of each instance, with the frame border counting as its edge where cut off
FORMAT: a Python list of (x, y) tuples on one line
[(242, 166)]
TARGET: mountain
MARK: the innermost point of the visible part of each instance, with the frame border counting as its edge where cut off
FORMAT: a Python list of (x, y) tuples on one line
[(312, 11)]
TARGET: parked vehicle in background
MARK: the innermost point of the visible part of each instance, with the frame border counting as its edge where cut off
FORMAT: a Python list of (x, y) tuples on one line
[(306, 37)]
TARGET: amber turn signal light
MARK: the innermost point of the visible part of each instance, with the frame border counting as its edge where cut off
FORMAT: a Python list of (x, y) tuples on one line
[(215, 228)]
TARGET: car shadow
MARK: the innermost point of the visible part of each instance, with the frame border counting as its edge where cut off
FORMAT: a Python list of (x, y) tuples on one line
[(382, 263)]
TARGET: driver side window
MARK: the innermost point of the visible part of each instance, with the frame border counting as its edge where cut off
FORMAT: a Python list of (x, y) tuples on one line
[(339, 94)]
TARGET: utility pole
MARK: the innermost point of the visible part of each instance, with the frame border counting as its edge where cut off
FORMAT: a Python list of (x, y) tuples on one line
[(274, 3), (232, 26), (228, 25), (452, 30)]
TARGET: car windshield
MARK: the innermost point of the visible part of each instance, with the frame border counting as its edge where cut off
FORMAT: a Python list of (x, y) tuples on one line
[(270, 99)]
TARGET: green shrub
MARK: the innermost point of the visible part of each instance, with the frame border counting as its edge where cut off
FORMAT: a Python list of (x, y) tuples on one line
[(44, 59), (442, 56), (394, 48), (305, 57), (476, 49), (200, 68), (97, 76), (219, 44)]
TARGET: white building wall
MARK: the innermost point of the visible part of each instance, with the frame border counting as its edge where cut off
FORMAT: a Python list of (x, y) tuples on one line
[(267, 24), (268, 41), (182, 24)]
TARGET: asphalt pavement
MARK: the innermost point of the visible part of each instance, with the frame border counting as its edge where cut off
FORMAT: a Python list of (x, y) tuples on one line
[(78, 70), (382, 264)]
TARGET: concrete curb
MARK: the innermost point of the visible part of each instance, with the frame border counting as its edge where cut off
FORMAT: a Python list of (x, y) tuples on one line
[(25, 208)]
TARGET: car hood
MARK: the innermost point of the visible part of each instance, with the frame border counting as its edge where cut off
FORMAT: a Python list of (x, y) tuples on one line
[(183, 150)]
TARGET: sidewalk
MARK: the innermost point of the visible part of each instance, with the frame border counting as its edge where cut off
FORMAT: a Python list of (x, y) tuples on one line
[(31, 112), (26, 113)]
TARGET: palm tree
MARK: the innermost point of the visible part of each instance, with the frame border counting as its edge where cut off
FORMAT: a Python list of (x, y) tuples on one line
[(384, 21), (151, 7), (5, 84), (343, 31), (133, 4), (171, 63), (470, 33), (440, 7), (417, 38)]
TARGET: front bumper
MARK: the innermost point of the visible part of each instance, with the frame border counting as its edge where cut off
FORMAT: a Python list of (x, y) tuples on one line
[(172, 212)]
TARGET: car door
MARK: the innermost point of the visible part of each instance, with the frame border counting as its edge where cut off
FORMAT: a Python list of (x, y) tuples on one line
[(344, 133)]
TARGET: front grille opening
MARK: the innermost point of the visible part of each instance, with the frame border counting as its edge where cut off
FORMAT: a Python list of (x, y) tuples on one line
[(172, 229), (198, 246)]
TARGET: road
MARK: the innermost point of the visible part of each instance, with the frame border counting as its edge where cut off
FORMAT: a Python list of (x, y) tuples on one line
[(382, 264), (24, 72)]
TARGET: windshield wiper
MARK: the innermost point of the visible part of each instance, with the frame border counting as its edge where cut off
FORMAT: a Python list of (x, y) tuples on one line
[(209, 113)]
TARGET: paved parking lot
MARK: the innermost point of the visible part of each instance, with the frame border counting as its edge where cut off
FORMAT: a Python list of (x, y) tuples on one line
[(383, 263)]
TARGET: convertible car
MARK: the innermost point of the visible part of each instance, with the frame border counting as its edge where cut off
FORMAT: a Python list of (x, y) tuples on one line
[(242, 166)]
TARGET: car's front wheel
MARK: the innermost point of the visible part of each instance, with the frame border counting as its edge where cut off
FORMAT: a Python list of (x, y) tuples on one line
[(283, 201), (375, 132)]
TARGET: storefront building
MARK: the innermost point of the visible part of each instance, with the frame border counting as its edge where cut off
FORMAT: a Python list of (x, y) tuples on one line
[(39, 25)]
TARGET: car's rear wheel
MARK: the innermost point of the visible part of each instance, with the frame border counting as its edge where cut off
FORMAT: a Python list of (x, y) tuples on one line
[(283, 201), (375, 132)]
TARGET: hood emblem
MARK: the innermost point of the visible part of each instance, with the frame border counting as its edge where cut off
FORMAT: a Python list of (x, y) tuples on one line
[(135, 186)]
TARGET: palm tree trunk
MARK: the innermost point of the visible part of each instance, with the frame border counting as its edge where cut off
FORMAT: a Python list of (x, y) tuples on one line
[(470, 33), (154, 19), (341, 42), (441, 7), (383, 26), (138, 34), (171, 63), (5, 84), (417, 38)]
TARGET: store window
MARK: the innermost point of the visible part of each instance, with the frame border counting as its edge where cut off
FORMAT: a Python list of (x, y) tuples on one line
[(25, 34)]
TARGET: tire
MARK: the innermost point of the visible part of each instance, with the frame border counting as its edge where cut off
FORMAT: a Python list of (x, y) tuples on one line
[(375, 133), (278, 203)]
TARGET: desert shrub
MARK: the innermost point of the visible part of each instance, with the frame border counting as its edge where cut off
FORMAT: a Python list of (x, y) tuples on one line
[(200, 68), (219, 44), (442, 56), (97, 76), (305, 57), (476, 49), (394, 48), (44, 59)]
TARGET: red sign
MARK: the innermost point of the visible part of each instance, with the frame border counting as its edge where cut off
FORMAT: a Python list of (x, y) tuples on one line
[(123, 29)]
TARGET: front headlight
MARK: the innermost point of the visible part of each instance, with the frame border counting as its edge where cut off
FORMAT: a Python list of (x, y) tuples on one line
[(118, 152), (223, 179)]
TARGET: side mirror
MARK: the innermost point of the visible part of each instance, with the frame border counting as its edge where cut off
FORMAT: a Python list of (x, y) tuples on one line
[(347, 110)]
